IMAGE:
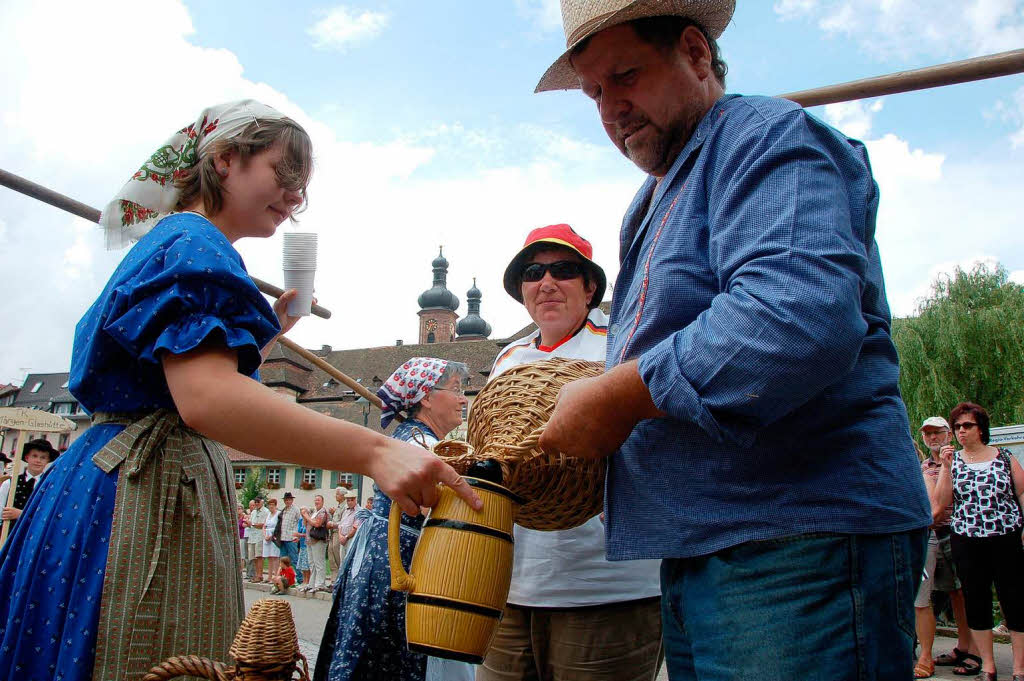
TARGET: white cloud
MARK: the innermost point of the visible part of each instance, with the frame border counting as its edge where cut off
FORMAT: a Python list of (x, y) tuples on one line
[(1012, 111), (853, 118), (381, 209), (546, 14), (342, 27), (905, 28)]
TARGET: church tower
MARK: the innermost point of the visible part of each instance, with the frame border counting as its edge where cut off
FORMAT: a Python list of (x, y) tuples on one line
[(438, 306), (473, 327)]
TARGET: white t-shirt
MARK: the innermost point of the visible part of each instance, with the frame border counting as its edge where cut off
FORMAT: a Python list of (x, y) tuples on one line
[(568, 568)]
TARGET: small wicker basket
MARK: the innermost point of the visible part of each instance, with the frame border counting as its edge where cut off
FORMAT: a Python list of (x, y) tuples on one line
[(505, 424), (266, 648)]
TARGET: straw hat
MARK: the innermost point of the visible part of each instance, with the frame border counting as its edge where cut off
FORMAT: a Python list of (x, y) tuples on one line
[(584, 18)]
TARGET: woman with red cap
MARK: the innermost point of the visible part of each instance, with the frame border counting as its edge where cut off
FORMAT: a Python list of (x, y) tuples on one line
[(569, 608)]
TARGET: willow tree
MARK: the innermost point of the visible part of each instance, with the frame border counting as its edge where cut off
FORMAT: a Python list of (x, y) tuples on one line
[(965, 344)]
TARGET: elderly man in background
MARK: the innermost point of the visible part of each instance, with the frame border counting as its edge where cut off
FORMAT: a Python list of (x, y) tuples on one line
[(289, 520), (569, 608), (940, 574), (758, 443), (340, 526)]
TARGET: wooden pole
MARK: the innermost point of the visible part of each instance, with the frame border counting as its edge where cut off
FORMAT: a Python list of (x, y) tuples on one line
[(38, 191), (332, 371), (19, 464), (978, 68)]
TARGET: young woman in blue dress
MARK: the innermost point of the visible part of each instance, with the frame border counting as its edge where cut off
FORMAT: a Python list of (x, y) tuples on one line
[(126, 554)]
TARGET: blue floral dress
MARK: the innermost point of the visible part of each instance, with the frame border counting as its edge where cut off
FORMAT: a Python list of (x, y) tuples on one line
[(365, 635), (182, 285)]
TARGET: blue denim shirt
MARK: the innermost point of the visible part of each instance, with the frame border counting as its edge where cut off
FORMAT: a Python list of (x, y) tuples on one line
[(751, 292)]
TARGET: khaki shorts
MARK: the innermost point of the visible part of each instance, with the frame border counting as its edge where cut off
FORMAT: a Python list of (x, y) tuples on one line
[(615, 642), (254, 550), (939, 571)]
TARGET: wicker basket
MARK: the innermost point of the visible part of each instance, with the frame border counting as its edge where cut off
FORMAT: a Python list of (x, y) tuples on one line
[(265, 648), (505, 423)]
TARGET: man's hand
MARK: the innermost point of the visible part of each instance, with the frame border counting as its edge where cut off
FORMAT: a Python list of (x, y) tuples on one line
[(10, 513), (946, 455), (594, 416)]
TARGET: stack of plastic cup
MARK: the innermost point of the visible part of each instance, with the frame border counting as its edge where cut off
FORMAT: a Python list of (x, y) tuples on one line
[(299, 267)]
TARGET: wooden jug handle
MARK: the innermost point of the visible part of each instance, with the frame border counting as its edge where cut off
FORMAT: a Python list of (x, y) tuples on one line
[(400, 579)]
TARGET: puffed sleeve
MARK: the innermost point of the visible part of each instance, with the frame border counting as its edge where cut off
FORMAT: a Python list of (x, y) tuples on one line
[(193, 290)]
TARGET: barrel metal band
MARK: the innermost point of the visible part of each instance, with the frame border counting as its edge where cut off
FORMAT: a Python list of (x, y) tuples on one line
[(441, 602), (434, 651), (469, 527)]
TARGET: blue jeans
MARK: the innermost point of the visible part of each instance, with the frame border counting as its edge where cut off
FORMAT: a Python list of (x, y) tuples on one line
[(291, 549), (817, 606)]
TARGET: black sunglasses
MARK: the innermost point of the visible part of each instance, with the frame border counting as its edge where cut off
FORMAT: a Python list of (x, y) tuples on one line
[(561, 270)]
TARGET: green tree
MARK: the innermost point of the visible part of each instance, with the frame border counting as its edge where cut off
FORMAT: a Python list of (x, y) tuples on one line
[(965, 344), (255, 485)]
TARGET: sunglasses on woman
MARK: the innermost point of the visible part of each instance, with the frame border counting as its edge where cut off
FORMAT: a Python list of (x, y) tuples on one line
[(562, 270)]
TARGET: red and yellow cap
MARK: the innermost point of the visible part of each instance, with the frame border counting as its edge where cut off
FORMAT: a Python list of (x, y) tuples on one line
[(556, 235)]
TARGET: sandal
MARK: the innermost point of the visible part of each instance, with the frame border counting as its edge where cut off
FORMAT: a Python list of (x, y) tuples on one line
[(970, 665), (923, 670), (951, 659)]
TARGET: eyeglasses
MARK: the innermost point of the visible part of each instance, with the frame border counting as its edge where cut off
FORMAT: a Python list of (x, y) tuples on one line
[(562, 270), (457, 391), (966, 425)]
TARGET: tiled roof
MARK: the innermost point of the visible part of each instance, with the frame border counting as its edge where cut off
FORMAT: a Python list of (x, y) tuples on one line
[(50, 390), (239, 457)]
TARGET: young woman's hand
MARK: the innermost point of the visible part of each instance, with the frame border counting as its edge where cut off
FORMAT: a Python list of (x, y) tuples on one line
[(281, 310), (409, 474)]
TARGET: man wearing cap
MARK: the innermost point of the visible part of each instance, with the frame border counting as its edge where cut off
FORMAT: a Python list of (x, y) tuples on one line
[(939, 572), (289, 520), (37, 455), (569, 608), (340, 526), (751, 409)]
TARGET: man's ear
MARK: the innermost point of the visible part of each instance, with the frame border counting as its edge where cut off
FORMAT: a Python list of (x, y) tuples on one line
[(694, 49)]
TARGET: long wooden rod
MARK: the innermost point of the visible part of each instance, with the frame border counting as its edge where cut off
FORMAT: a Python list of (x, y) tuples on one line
[(977, 68), (335, 372), (38, 191)]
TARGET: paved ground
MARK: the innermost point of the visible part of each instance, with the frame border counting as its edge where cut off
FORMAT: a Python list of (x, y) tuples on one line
[(311, 615)]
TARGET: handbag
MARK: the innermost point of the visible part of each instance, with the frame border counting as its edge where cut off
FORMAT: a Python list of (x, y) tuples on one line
[(275, 536), (318, 533)]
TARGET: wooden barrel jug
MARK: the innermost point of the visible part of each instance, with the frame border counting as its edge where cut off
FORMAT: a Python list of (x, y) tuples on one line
[(460, 574)]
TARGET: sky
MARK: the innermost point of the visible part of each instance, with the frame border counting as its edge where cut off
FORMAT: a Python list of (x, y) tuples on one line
[(427, 132)]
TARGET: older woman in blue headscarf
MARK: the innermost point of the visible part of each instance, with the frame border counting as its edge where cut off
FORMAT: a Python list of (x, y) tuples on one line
[(365, 634)]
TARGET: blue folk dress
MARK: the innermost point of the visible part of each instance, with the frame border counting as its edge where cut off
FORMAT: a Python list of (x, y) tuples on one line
[(181, 286), (364, 639)]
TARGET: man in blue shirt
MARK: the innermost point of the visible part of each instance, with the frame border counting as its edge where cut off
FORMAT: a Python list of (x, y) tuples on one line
[(758, 441)]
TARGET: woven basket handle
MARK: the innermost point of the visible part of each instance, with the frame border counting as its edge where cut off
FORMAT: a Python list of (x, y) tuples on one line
[(530, 442), (190, 665)]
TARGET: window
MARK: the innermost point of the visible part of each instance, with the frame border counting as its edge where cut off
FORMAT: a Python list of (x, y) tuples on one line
[(309, 475), (36, 387), (65, 439), (274, 475), (346, 479), (62, 408), (430, 339), (240, 476)]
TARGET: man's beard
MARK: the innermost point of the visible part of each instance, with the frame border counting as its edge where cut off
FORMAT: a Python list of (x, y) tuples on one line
[(659, 153)]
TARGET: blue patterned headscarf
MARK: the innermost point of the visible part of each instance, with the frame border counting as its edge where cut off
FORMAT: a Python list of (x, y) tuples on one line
[(410, 383)]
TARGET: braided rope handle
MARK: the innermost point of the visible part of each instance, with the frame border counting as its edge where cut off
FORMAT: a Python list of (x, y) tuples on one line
[(190, 665)]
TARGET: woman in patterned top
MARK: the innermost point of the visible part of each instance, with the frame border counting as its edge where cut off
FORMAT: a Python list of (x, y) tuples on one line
[(985, 484), (139, 510)]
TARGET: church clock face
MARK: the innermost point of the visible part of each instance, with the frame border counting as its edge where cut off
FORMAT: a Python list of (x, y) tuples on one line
[(431, 325)]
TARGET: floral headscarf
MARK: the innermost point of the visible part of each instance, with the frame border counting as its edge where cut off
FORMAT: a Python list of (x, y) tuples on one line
[(151, 193), (410, 383)]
